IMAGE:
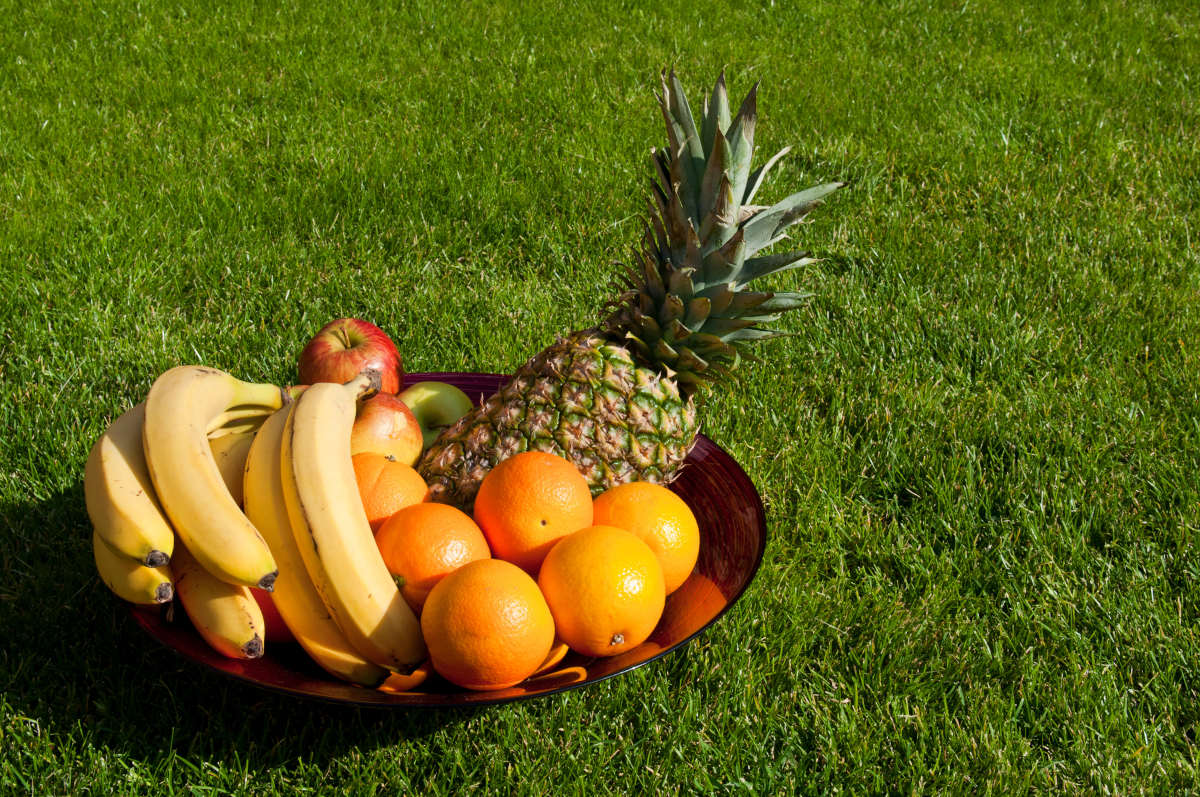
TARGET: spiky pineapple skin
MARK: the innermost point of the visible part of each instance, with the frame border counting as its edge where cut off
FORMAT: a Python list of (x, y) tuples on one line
[(583, 398)]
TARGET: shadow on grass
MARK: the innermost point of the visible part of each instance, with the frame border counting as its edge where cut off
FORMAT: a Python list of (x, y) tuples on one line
[(77, 663)]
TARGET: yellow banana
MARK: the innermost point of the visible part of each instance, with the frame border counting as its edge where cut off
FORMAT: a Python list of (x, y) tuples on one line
[(183, 404), (294, 595), (230, 452), (120, 497), (129, 580), (226, 615), (331, 530), (241, 418)]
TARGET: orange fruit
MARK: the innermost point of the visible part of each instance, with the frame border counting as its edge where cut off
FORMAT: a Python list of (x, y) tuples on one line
[(527, 503), (660, 518), (386, 485), (487, 625), (423, 543), (605, 590)]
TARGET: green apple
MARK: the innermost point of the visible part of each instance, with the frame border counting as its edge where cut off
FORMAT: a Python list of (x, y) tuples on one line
[(436, 405)]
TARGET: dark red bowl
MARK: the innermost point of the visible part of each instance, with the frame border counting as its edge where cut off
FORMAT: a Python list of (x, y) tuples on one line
[(732, 539)]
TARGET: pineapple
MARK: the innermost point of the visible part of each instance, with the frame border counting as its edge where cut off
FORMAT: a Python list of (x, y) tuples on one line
[(618, 399)]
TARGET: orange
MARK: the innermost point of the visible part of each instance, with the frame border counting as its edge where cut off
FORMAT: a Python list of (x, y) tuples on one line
[(661, 518), (425, 542), (605, 590), (527, 503), (487, 625), (385, 485)]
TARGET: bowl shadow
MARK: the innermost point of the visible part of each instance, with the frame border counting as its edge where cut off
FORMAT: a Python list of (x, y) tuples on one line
[(77, 665)]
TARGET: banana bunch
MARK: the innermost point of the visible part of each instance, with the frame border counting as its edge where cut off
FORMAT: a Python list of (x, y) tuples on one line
[(166, 486), (163, 488)]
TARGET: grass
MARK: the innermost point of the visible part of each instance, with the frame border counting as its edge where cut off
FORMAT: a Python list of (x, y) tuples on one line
[(979, 450)]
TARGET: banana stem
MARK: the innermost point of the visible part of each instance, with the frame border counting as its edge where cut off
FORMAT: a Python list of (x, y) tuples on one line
[(241, 427), (366, 384), (253, 413)]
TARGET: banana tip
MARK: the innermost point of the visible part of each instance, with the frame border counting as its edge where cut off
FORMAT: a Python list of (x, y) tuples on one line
[(254, 648), (267, 582), (157, 559), (164, 592)]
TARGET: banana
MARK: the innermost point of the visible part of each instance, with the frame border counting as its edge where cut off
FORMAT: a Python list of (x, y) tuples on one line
[(226, 615), (127, 579), (331, 530), (238, 418), (230, 452), (181, 409), (294, 595), (120, 497)]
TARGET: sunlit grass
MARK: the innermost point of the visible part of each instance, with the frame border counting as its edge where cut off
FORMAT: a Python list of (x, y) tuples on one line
[(978, 451)]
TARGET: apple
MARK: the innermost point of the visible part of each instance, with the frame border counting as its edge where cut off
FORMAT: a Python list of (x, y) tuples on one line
[(436, 405), (277, 630), (385, 425), (347, 346)]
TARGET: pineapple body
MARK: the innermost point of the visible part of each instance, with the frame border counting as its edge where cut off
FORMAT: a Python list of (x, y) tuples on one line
[(584, 398)]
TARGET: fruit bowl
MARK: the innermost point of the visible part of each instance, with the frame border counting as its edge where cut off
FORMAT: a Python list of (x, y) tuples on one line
[(732, 540)]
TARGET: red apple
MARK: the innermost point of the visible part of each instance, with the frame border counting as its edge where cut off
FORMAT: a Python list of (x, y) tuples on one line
[(347, 346), (277, 630), (385, 425)]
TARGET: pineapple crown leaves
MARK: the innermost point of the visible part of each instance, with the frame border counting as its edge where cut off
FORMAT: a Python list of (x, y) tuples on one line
[(685, 304)]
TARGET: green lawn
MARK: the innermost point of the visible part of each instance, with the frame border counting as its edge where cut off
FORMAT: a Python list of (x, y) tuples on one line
[(979, 452)]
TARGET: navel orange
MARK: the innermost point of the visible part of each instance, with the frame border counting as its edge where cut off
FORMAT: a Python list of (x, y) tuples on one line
[(386, 485), (660, 518), (487, 625), (423, 543), (605, 590), (527, 503)]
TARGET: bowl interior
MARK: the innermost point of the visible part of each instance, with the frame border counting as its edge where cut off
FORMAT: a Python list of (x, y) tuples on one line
[(732, 540)]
